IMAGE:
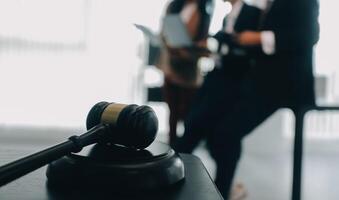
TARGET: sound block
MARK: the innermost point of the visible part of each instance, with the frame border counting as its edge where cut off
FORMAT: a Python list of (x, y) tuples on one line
[(117, 167)]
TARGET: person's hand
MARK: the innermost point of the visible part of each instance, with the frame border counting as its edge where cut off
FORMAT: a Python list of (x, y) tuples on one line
[(223, 37), (249, 38), (179, 53), (219, 36), (200, 49)]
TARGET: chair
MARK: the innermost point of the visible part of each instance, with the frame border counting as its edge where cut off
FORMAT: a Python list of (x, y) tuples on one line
[(298, 145)]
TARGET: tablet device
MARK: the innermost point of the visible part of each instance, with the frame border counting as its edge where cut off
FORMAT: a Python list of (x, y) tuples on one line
[(175, 32)]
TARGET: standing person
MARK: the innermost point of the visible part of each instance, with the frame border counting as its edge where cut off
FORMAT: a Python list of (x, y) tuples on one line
[(281, 76), (237, 59), (182, 75)]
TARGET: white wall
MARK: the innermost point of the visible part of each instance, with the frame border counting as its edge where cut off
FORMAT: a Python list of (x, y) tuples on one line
[(53, 80)]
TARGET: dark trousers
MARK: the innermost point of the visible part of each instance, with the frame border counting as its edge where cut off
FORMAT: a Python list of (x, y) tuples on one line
[(224, 111), (179, 100)]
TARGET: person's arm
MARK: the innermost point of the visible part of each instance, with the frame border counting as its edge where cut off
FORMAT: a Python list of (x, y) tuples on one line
[(265, 39)]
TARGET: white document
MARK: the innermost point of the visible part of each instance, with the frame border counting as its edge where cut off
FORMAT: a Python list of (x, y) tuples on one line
[(175, 32)]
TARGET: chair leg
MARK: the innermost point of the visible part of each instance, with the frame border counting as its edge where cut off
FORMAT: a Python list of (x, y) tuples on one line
[(297, 155)]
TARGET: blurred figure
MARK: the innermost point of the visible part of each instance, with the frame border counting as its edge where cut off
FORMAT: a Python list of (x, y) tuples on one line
[(182, 75), (237, 59), (280, 76)]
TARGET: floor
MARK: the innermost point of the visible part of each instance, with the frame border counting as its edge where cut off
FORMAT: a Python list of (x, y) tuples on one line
[(268, 176)]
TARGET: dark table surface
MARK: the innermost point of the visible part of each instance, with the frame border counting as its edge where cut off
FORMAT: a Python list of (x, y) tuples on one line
[(198, 185)]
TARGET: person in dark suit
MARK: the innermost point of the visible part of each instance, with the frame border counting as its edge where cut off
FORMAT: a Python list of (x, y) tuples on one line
[(235, 58), (295, 28), (281, 76)]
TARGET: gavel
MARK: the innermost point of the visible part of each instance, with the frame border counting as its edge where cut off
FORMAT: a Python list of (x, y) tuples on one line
[(131, 126)]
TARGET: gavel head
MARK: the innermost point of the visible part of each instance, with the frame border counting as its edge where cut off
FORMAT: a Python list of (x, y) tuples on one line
[(128, 125)]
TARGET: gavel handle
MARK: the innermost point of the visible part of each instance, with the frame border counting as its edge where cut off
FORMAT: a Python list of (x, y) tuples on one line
[(23, 166)]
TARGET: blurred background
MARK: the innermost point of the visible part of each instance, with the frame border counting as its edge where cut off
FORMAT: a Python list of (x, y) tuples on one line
[(60, 57)]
